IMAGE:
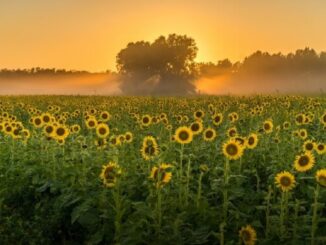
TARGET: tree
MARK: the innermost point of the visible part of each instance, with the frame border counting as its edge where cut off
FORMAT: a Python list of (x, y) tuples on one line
[(164, 67)]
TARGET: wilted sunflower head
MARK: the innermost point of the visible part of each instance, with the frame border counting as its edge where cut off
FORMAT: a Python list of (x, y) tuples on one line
[(161, 175), (248, 235), (110, 173)]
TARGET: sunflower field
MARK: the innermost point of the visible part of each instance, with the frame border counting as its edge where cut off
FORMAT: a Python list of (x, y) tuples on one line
[(162, 170)]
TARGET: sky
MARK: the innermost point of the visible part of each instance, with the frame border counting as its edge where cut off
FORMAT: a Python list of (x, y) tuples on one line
[(87, 35)]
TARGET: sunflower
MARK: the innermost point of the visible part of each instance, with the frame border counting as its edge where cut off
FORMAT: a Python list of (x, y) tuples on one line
[(321, 177), (248, 235), (75, 128), (304, 162), (303, 133), (105, 116), (110, 173), (217, 118), (252, 141), (49, 130), (308, 145), (161, 174), (91, 122), (146, 120), (199, 114), (232, 132), (320, 148), (286, 125), (128, 137), (61, 132), (100, 143), (114, 140), (323, 119), (37, 122), (285, 180), (232, 149), (209, 134), (268, 126), (300, 119), (46, 118), (183, 135), (102, 130), (149, 151), (196, 127)]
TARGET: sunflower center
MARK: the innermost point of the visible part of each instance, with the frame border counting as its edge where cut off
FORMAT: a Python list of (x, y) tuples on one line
[(217, 119), (49, 129), (267, 126), (309, 146), (251, 140), (246, 236), (109, 174), (60, 131), (303, 161), (320, 147), (102, 131), (209, 134), (183, 135), (232, 149), (145, 120), (195, 127), (104, 116), (285, 181), (149, 150), (37, 121), (46, 119), (91, 123)]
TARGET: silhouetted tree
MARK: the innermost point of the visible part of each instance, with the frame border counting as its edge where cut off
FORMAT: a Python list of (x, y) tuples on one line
[(164, 67)]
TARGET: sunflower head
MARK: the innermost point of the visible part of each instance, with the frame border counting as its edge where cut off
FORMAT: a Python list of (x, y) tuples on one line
[(321, 177), (232, 149), (102, 130), (248, 235), (308, 145), (183, 135), (320, 148), (209, 134), (110, 173), (304, 162), (217, 119), (268, 126), (252, 141), (285, 180), (161, 175), (196, 127)]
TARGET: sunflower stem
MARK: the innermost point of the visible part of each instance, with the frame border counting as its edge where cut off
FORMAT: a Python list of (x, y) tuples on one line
[(225, 190), (268, 200), (284, 204), (181, 175), (314, 223), (199, 189)]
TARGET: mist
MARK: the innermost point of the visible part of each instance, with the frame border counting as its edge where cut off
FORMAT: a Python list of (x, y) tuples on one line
[(89, 84)]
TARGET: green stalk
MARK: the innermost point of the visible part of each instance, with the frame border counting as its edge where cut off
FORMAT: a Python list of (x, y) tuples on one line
[(284, 206), (268, 200), (199, 189), (314, 223)]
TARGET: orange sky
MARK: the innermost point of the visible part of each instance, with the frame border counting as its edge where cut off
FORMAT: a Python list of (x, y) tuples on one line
[(87, 35)]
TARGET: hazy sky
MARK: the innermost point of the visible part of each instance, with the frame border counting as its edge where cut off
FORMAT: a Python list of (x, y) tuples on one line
[(85, 34)]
